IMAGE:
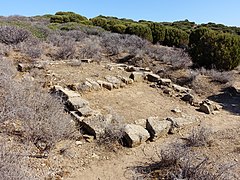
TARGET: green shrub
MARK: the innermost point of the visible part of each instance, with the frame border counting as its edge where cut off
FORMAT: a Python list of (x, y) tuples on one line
[(175, 37), (210, 49), (119, 28), (158, 32), (63, 17), (140, 30), (101, 22), (59, 19)]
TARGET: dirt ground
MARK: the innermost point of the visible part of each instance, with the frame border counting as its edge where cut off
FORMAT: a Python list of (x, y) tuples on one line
[(133, 102)]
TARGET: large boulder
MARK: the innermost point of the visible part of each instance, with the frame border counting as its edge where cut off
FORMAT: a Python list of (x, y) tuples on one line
[(134, 135), (157, 127)]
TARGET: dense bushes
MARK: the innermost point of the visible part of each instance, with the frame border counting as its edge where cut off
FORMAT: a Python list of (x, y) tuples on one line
[(140, 30), (175, 37), (64, 17), (210, 49)]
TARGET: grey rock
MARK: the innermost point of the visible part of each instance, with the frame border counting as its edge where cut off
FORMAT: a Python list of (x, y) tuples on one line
[(188, 98), (95, 85), (137, 76), (64, 93), (179, 123), (23, 67), (114, 81), (181, 89), (165, 82), (74, 103), (105, 84), (206, 108), (131, 69), (135, 135), (153, 77), (157, 127), (93, 125), (85, 111), (126, 80)]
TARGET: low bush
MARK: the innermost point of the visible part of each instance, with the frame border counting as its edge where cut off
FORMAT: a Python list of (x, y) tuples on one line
[(14, 166), (12, 35), (67, 50), (180, 162), (91, 48), (43, 119)]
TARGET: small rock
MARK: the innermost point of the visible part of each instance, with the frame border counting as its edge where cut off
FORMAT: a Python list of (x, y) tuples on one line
[(181, 89), (23, 67), (137, 76), (157, 127), (141, 122), (165, 82), (188, 98), (153, 77), (78, 143), (86, 60), (178, 123), (205, 108), (85, 111), (176, 110), (114, 80), (126, 80), (135, 135), (74, 103), (88, 138), (64, 93), (131, 69), (95, 85), (105, 84)]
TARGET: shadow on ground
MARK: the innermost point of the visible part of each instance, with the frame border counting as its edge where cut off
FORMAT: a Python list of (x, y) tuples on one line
[(229, 98)]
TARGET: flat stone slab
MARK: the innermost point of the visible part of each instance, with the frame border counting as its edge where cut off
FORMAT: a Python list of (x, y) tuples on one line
[(74, 103), (157, 127), (65, 93), (135, 135), (85, 111)]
